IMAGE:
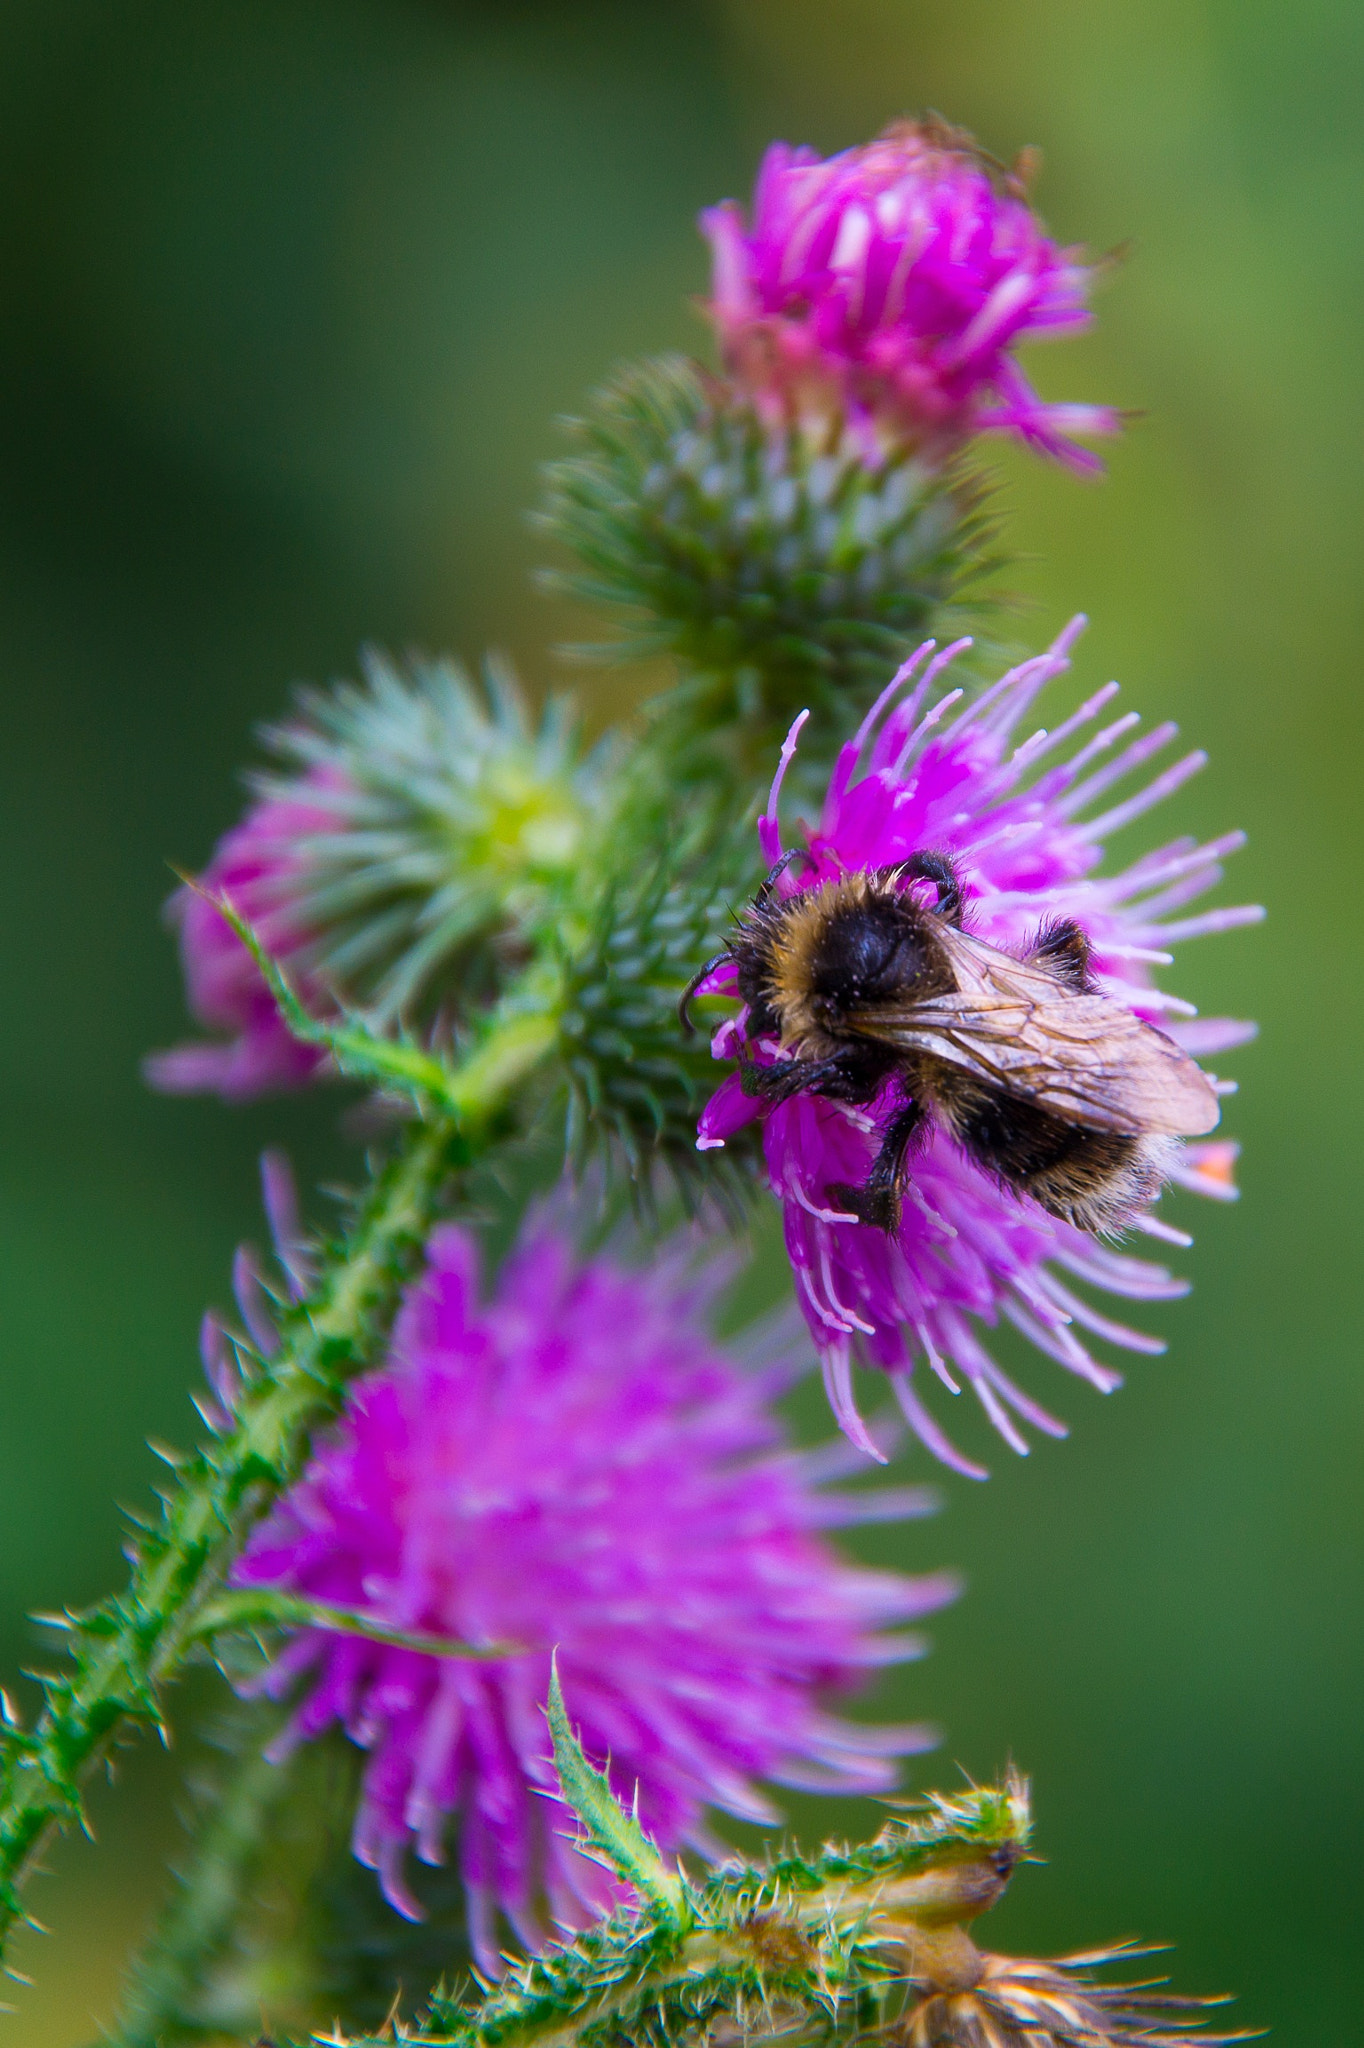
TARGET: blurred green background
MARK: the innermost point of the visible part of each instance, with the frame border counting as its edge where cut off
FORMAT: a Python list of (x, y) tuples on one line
[(292, 290)]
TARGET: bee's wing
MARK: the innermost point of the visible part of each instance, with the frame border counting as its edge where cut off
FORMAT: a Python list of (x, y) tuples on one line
[(1084, 1058)]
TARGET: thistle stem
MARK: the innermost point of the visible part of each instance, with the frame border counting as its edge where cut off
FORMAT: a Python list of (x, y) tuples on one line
[(805, 1948), (125, 1651), (166, 1980), (823, 1936)]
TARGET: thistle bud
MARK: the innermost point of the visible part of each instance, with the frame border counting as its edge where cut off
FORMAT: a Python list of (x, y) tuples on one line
[(781, 567), (416, 835), (635, 1082)]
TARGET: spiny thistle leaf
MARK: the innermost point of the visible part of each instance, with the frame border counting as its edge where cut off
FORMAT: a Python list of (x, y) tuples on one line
[(251, 1608), (615, 1835), (511, 1041)]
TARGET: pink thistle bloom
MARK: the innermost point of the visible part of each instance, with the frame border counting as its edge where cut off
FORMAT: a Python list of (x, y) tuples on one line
[(1017, 818), (257, 866), (891, 283), (575, 1463)]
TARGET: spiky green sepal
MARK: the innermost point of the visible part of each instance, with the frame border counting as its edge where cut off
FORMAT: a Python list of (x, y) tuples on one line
[(782, 572), (458, 825), (637, 1081), (613, 1835)]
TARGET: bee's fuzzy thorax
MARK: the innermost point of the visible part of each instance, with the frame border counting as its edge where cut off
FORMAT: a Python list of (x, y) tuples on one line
[(789, 946)]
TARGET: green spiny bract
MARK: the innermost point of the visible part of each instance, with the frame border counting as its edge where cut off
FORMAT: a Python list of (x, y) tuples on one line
[(458, 826), (780, 572), (636, 1080)]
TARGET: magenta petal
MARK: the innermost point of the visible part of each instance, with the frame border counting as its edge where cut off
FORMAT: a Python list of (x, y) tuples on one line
[(252, 866), (728, 1110)]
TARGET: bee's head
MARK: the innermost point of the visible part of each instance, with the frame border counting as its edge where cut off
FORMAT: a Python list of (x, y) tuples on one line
[(866, 948)]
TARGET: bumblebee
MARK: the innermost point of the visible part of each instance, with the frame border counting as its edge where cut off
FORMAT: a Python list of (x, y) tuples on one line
[(1055, 1089)]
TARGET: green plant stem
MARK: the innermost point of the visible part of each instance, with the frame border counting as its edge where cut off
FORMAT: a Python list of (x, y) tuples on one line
[(166, 1980), (126, 1650), (807, 1947)]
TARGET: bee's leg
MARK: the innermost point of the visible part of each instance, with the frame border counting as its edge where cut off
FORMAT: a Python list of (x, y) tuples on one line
[(775, 873), (878, 1201), (939, 870), (1063, 949), (796, 1077)]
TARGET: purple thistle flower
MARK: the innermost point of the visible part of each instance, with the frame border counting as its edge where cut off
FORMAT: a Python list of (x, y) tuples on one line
[(257, 866), (574, 1463), (891, 283), (1018, 821)]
